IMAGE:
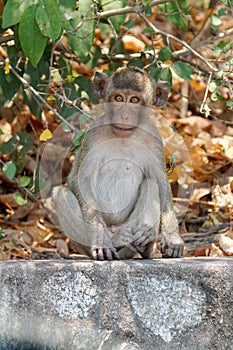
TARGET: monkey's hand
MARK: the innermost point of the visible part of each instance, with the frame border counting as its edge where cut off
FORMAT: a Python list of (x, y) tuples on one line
[(102, 247), (143, 235), (172, 245)]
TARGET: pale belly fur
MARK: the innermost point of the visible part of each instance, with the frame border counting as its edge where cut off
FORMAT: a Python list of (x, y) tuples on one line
[(116, 188)]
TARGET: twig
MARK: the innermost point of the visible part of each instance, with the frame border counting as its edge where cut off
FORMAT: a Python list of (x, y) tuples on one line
[(129, 9), (229, 86), (184, 99), (206, 93), (185, 200)]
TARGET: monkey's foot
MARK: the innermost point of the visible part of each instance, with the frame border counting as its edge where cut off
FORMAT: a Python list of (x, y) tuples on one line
[(104, 253), (172, 246)]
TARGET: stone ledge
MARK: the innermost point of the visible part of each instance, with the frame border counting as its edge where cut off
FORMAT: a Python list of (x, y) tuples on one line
[(135, 304)]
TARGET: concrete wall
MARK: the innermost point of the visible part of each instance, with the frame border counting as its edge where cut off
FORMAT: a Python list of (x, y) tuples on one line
[(136, 304)]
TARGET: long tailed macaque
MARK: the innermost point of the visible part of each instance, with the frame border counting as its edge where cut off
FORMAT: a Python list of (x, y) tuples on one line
[(118, 200)]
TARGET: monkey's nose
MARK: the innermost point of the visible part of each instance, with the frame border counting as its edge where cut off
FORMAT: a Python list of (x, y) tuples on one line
[(124, 116)]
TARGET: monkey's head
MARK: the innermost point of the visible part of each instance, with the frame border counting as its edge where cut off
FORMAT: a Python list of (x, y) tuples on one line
[(129, 89)]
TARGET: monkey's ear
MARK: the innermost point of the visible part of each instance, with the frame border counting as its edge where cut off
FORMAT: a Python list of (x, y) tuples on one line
[(161, 93), (99, 83)]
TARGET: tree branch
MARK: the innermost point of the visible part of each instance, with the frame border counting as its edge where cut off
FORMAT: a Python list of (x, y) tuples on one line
[(130, 9), (6, 38), (183, 43)]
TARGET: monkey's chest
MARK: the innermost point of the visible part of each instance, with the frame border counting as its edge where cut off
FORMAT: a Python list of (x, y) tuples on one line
[(117, 184)]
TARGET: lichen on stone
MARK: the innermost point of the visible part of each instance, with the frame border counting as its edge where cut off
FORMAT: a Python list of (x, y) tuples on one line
[(166, 306), (70, 294)]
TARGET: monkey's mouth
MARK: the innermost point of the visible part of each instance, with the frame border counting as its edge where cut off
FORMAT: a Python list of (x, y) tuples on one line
[(124, 127)]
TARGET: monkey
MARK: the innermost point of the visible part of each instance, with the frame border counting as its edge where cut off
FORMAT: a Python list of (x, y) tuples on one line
[(118, 201)]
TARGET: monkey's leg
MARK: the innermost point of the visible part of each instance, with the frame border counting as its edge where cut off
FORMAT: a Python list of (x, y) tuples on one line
[(92, 239), (70, 216), (172, 245)]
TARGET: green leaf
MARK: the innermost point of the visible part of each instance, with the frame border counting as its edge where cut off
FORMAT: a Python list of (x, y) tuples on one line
[(39, 180), (207, 110), (128, 24), (77, 141), (148, 10), (26, 140), (19, 199), (216, 96), (230, 60), (32, 41), (48, 18), (9, 170), (215, 21), (165, 74), (165, 54), (82, 25), (36, 77), (218, 82), (73, 92), (85, 84), (24, 181), (230, 104), (9, 84), (95, 56), (223, 46), (148, 30), (176, 12), (1, 132), (67, 5), (118, 20), (153, 71), (183, 70), (227, 3), (222, 12), (78, 138), (13, 11), (8, 146), (2, 233)]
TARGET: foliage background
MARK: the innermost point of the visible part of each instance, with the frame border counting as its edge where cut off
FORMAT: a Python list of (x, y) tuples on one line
[(50, 50)]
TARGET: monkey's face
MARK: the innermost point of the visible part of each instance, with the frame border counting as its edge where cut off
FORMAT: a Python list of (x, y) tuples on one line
[(124, 110)]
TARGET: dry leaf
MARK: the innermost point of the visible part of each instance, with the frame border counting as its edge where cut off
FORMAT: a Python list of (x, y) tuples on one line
[(215, 251), (6, 129), (132, 44), (193, 125), (226, 244)]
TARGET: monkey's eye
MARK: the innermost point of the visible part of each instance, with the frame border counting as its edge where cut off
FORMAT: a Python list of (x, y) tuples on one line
[(134, 99), (118, 98)]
